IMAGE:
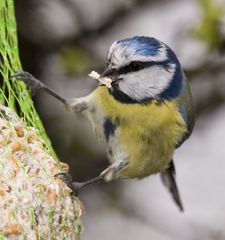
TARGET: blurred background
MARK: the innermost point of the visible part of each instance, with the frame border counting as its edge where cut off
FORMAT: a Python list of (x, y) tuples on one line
[(61, 41)]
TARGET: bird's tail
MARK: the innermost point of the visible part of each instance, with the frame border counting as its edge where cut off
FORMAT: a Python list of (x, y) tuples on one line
[(169, 181)]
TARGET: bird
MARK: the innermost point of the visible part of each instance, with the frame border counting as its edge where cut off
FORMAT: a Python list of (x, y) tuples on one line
[(144, 116)]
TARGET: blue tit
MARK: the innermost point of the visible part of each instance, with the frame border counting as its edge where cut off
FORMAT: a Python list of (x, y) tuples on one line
[(143, 117)]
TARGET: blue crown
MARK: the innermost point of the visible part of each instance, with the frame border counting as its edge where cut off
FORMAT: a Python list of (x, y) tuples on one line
[(142, 45)]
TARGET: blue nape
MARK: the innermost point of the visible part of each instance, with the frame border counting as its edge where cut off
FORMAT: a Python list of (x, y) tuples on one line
[(176, 85)]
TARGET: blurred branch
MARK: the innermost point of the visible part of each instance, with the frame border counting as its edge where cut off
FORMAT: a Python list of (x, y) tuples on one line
[(114, 19), (26, 13), (208, 84), (208, 79), (209, 29)]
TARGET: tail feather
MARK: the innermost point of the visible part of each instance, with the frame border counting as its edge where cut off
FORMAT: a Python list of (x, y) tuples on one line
[(169, 181)]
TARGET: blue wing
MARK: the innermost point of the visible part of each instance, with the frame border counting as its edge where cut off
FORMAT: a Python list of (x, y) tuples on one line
[(186, 110)]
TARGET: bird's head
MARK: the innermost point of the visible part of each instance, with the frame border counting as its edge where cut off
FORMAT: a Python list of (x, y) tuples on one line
[(143, 68)]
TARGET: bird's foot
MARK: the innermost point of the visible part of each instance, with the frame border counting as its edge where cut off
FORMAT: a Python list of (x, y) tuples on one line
[(33, 84), (77, 186)]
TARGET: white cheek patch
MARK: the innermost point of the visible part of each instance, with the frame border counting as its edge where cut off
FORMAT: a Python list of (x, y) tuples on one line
[(147, 83)]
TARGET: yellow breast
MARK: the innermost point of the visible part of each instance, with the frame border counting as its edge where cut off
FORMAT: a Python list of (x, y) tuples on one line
[(147, 132)]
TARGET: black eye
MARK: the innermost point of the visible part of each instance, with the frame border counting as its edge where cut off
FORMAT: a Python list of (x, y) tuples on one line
[(135, 66)]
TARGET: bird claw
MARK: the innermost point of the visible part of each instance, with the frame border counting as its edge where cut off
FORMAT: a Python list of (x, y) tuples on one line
[(67, 179), (32, 83)]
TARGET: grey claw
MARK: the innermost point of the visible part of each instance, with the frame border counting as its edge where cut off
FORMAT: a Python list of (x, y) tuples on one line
[(21, 74), (65, 177), (32, 83), (74, 186)]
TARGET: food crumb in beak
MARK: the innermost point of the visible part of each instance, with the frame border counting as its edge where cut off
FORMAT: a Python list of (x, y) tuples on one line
[(103, 80)]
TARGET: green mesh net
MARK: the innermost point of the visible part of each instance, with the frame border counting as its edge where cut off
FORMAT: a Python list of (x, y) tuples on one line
[(14, 93)]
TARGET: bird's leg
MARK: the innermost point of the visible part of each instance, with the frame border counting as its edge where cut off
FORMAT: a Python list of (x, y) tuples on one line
[(77, 186), (34, 85), (111, 173)]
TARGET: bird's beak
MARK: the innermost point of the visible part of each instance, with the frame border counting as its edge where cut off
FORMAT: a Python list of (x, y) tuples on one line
[(110, 73)]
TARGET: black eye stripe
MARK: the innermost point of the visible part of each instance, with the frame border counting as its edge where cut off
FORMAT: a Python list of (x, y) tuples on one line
[(128, 68)]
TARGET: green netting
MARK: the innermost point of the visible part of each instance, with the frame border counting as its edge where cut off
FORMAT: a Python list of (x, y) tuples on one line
[(14, 93)]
